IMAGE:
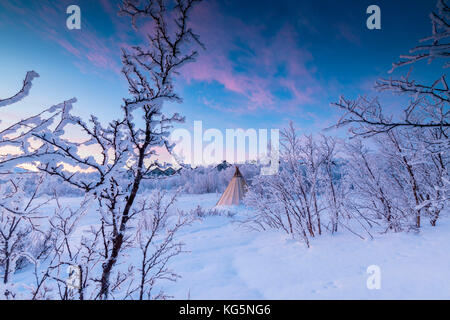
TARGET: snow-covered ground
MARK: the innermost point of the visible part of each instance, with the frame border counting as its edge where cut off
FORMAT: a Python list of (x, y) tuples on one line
[(229, 261)]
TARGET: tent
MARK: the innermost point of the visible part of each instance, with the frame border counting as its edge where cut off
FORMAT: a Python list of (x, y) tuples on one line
[(234, 192)]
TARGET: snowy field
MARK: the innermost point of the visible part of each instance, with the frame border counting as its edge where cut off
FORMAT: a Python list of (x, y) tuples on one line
[(229, 261)]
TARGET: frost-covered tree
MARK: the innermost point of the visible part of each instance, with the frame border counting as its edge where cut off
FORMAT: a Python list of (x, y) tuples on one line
[(420, 136), (305, 196), (68, 271), (333, 190), (157, 227), (23, 92), (202, 179), (373, 196), (16, 140), (23, 238), (124, 146), (395, 184), (429, 103)]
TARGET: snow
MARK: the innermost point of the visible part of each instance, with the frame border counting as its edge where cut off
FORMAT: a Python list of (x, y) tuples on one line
[(227, 260), (230, 262), (31, 75)]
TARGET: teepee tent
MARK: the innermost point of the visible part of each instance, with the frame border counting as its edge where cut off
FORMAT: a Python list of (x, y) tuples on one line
[(234, 192)]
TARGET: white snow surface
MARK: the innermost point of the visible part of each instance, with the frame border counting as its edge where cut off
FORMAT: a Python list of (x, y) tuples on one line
[(229, 261)]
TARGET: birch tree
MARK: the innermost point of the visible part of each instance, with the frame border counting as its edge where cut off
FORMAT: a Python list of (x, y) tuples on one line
[(125, 146), (420, 136)]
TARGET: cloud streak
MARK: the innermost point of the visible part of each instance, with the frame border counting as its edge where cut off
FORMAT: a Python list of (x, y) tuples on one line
[(248, 63), (48, 20)]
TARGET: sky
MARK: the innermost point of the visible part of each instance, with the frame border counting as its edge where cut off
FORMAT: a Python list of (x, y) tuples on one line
[(264, 63)]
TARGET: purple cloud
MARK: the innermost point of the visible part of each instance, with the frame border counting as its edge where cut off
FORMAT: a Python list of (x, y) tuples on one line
[(86, 45), (264, 72), (261, 57)]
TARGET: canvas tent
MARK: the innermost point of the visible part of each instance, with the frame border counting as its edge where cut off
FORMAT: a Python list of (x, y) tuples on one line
[(234, 192)]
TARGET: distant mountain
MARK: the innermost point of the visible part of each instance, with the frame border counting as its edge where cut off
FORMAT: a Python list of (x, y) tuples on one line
[(159, 172), (224, 165)]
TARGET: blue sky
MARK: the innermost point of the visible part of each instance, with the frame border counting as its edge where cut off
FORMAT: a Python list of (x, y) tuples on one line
[(265, 63)]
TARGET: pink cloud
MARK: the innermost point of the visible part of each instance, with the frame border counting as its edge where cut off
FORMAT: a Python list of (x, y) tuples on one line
[(259, 79), (264, 65), (88, 47)]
